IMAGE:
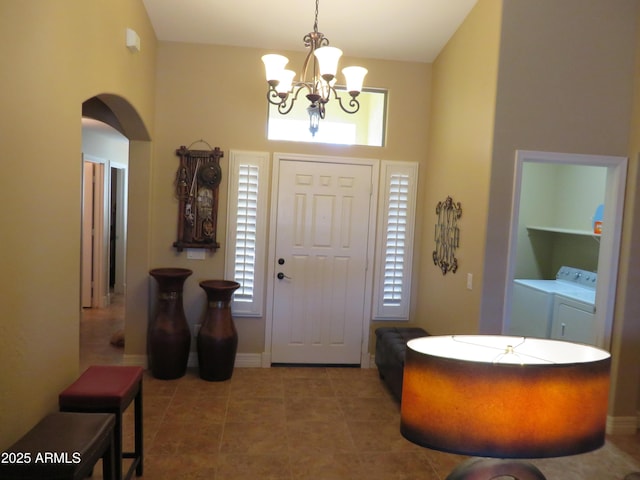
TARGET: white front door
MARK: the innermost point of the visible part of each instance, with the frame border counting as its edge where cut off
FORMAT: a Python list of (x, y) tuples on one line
[(323, 213)]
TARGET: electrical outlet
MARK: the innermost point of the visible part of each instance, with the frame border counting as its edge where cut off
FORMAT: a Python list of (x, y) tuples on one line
[(469, 281)]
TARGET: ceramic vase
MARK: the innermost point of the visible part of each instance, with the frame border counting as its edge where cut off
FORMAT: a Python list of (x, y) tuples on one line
[(217, 338), (169, 337)]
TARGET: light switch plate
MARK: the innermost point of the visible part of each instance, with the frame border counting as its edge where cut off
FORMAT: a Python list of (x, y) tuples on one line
[(196, 253)]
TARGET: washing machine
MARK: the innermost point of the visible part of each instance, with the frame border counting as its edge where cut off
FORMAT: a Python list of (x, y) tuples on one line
[(532, 308), (562, 308)]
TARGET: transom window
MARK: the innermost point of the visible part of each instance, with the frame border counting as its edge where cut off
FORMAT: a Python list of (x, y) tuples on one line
[(366, 127)]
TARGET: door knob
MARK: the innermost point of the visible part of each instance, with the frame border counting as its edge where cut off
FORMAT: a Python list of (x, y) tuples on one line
[(281, 275), (281, 261)]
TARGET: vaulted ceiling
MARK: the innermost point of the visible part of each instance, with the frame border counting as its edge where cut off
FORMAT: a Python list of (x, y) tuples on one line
[(405, 30)]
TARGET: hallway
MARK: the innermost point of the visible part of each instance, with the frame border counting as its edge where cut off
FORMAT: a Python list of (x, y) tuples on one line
[(97, 326)]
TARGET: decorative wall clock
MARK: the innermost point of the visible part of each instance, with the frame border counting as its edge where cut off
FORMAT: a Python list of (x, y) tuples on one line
[(197, 182), (447, 235)]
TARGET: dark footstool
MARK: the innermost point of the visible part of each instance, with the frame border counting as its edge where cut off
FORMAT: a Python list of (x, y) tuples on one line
[(62, 446), (391, 343)]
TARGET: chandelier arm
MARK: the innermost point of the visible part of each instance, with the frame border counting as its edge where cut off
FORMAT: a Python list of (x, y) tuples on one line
[(305, 66), (283, 106), (274, 98), (354, 104), (281, 102), (321, 109), (298, 87)]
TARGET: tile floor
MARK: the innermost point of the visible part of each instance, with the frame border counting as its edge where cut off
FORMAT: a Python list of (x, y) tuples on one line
[(297, 424)]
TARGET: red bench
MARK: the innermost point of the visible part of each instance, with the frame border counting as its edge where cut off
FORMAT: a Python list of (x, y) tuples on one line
[(110, 389)]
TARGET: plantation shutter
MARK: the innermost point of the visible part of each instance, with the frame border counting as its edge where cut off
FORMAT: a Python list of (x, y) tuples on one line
[(246, 221), (246, 230), (395, 240)]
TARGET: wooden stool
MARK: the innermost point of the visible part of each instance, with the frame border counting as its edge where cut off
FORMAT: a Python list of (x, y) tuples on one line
[(62, 446), (110, 389)]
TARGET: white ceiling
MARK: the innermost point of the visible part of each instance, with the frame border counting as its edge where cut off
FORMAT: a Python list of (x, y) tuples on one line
[(406, 30)]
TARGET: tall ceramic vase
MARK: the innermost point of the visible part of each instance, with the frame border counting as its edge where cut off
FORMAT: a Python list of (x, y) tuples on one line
[(217, 338), (169, 337)]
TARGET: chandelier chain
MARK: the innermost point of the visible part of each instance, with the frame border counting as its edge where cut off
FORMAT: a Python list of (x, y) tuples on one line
[(315, 23)]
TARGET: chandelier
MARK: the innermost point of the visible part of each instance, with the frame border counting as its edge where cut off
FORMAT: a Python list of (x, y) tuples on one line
[(317, 79)]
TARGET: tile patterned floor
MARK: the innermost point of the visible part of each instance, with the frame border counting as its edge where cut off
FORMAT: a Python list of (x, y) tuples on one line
[(289, 423)]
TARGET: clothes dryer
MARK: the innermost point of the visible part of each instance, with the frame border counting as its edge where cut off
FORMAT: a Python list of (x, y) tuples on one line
[(540, 308), (574, 316)]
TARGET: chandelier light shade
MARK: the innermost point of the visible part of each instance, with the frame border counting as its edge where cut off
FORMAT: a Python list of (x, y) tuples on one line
[(316, 81), (504, 398)]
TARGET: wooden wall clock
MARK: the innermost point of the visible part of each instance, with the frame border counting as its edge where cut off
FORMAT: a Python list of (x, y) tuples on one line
[(197, 181)]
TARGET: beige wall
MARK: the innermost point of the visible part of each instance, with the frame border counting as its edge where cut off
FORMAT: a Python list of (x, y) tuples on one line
[(458, 165), (56, 54), (625, 399), (564, 85), (218, 94)]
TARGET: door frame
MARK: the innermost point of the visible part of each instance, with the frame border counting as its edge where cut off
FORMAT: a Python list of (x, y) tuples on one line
[(121, 223), (271, 264), (609, 240)]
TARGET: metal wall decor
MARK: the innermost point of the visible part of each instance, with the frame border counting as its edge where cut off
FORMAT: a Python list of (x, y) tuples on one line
[(447, 235), (197, 181)]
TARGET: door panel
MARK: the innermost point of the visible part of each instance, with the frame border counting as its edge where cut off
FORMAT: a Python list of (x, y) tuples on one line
[(322, 237), (87, 235), (94, 286)]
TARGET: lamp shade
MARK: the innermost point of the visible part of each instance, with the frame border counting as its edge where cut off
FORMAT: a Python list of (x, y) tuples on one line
[(286, 81), (274, 65), (504, 397), (354, 77), (328, 58)]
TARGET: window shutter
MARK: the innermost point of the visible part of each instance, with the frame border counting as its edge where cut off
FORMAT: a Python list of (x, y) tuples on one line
[(246, 230), (246, 221), (395, 240)]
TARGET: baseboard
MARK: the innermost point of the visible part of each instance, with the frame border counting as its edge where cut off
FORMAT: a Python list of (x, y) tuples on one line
[(135, 360), (622, 425), (243, 360), (248, 360)]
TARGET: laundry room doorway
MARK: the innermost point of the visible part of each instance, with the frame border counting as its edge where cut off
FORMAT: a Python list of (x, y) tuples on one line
[(561, 231)]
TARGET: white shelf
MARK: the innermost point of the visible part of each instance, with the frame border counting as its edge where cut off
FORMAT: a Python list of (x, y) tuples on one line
[(569, 231)]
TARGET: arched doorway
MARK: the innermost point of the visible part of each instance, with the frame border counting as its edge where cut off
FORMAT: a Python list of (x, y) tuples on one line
[(111, 131)]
